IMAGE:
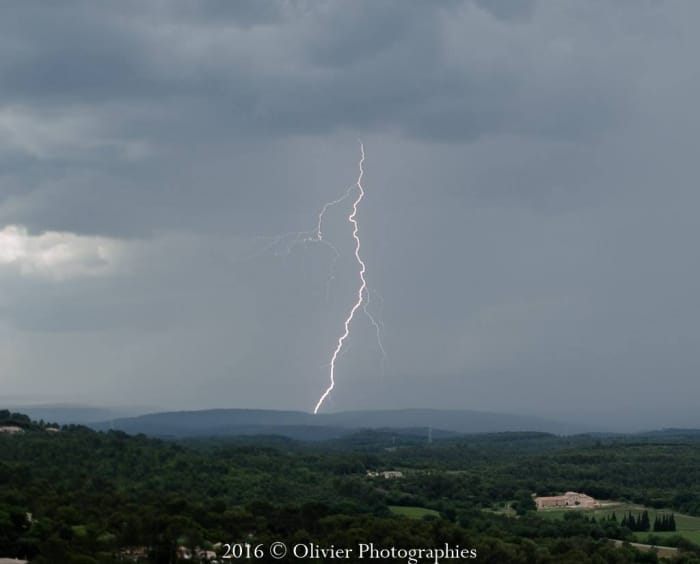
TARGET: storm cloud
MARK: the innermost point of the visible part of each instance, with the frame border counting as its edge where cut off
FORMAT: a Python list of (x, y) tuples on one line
[(530, 218)]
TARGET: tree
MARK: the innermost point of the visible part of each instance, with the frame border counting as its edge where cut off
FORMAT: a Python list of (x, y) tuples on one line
[(523, 502), (644, 521)]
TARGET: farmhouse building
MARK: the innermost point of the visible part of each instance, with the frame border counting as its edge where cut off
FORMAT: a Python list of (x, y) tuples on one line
[(569, 499), (389, 475)]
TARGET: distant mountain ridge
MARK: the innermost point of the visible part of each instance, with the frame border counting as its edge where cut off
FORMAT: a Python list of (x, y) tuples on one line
[(299, 424), (64, 413)]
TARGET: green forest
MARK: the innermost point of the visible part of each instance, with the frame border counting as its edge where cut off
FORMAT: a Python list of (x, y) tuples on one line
[(81, 496)]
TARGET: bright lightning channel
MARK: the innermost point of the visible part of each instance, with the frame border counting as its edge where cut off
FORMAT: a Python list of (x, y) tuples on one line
[(362, 290), (284, 244)]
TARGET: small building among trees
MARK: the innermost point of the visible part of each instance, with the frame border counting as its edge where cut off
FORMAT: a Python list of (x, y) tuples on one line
[(569, 499)]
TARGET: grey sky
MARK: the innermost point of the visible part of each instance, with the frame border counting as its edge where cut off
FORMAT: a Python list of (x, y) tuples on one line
[(530, 218)]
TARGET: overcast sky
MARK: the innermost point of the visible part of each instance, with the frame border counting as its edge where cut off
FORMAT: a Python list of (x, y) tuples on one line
[(530, 218)]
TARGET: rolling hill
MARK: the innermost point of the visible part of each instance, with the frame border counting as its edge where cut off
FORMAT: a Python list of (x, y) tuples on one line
[(306, 426)]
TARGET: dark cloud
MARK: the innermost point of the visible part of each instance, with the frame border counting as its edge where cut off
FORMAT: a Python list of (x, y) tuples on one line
[(365, 65), (529, 215), (171, 92)]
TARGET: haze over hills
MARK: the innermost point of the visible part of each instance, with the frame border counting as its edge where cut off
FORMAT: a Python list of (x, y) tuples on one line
[(306, 426), (299, 424)]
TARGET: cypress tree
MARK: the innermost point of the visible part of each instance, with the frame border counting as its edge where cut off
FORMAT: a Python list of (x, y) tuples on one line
[(665, 522)]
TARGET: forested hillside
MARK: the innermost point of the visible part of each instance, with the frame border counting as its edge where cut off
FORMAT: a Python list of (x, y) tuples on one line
[(85, 496)]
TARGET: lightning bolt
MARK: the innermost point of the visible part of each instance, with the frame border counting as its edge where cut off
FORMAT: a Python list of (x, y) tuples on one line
[(286, 243), (362, 290)]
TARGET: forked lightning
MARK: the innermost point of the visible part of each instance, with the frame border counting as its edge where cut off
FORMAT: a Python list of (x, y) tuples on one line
[(362, 291)]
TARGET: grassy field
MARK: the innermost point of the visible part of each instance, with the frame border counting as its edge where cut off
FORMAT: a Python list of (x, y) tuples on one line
[(687, 526), (413, 512)]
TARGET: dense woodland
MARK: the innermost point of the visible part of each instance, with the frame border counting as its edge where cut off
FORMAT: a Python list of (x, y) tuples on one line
[(80, 496)]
